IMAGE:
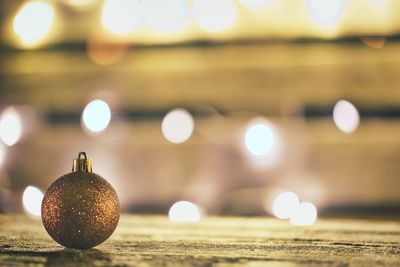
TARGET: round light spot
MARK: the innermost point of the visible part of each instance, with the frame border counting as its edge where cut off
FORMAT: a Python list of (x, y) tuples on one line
[(105, 51), (305, 214), (32, 200), (177, 126), (214, 15), (96, 116), (33, 22), (184, 211), (121, 16), (10, 126), (326, 12), (165, 15), (259, 139), (285, 204), (346, 116)]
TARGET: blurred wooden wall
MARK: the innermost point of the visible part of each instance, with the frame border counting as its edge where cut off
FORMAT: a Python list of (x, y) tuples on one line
[(295, 85)]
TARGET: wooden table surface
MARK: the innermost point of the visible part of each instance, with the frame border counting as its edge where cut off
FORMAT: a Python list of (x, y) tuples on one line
[(216, 241)]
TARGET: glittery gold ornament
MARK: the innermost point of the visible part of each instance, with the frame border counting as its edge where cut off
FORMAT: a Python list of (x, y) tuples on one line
[(80, 209)]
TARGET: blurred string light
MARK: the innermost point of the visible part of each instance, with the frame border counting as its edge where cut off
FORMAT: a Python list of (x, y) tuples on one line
[(165, 15), (32, 200), (121, 16), (346, 116), (33, 22), (105, 51), (259, 139), (184, 211), (374, 42), (304, 214), (214, 15), (177, 126), (261, 144), (254, 4), (326, 12), (10, 126), (285, 204), (96, 116)]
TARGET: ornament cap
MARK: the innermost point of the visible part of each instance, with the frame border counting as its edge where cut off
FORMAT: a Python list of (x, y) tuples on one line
[(82, 163)]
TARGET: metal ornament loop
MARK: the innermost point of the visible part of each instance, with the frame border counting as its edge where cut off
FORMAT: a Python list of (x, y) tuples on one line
[(82, 163)]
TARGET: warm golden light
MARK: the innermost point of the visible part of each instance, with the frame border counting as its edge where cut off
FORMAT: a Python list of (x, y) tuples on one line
[(285, 204), (177, 126), (96, 116), (33, 22), (259, 139), (254, 4), (105, 51), (326, 12), (10, 126), (165, 15), (32, 200), (214, 15), (377, 3), (374, 42), (184, 211), (346, 116), (121, 16), (80, 4), (305, 214)]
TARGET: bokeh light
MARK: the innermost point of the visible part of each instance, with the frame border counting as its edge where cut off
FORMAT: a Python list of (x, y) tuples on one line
[(259, 139), (254, 4), (96, 116), (10, 126), (121, 16), (177, 126), (346, 116), (374, 42), (165, 15), (285, 204), (33, 22), (305, 214), (184, 211), (326, 12), (32, 200), (105, 51), (214, 15)]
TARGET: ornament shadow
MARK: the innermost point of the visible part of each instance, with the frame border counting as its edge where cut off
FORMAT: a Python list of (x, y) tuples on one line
[(76, 257)]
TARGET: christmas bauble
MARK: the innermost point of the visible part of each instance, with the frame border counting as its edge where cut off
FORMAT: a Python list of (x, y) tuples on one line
[(80, 209)]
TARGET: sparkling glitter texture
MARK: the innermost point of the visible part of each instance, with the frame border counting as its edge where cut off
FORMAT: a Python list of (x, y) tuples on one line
[(80, 209)]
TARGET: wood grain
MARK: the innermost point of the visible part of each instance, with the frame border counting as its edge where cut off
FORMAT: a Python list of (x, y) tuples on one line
[(216, 241)]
